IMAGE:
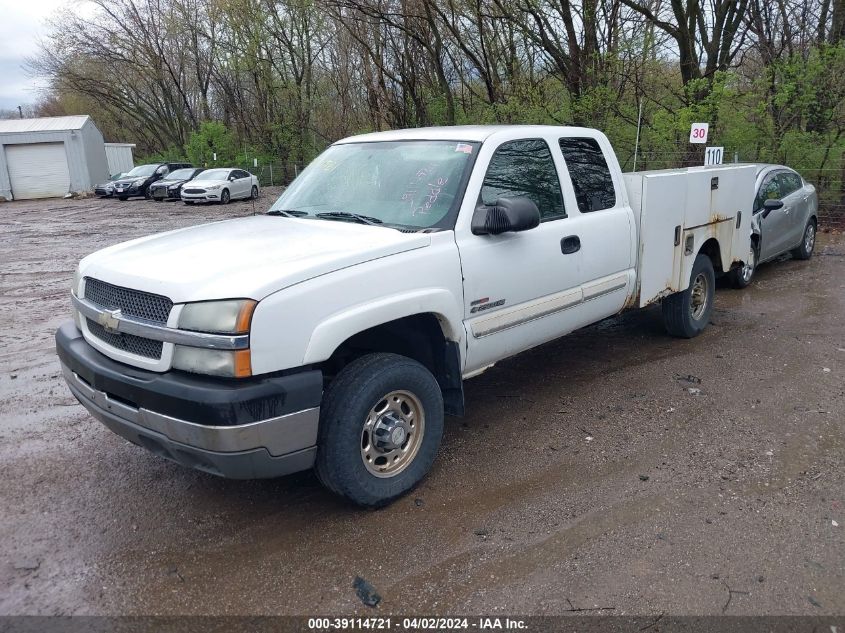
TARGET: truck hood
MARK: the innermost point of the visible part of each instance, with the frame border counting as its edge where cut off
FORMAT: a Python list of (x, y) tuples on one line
[(244, 258)]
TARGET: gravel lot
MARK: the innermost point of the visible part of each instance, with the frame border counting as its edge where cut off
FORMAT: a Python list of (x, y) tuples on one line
[(616, 468)]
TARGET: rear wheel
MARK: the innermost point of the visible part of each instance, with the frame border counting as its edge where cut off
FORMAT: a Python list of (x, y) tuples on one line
[(687, 313), (381, 422), (741, 276), (224, 197), (254, 192), (808, 242)]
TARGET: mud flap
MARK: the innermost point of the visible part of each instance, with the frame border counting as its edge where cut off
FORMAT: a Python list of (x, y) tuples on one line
[(450, 380)]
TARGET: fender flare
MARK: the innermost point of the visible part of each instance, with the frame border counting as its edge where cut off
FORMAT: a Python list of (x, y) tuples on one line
[(330, 333)]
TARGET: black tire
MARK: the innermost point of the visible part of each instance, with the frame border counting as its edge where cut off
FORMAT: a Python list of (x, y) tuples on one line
[(254, 194), (123, 198), (808, 242), (742, 276), (186, 202), (147, 194), (225, 197), (159, 199), (347, 402), (683, 315)]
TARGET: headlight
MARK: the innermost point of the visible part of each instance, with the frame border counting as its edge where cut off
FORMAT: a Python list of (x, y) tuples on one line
[(213, 187), (139, 181), (231, 316), (212, 362)]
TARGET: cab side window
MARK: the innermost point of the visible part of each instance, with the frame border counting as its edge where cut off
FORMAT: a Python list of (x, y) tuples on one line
[(769, 190), (789, 183), (589, 173), (525, 168)]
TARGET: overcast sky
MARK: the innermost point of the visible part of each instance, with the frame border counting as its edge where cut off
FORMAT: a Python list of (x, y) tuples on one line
[(22, 22)]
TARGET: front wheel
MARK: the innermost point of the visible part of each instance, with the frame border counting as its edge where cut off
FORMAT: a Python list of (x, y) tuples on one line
[(808, 242), (741, 276), (381, 422), (224, 197), (687, 313)]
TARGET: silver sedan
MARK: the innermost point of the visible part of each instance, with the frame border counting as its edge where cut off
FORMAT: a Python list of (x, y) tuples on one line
[(785, 219)]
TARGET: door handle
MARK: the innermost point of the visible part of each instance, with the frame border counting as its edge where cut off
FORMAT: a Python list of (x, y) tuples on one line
[(570, 244)]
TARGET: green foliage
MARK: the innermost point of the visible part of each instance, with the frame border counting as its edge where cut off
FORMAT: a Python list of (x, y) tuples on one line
[(212, 138), (294, 76), (172, 154)]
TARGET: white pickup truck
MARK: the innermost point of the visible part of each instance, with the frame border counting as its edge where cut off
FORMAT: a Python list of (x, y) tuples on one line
[(336, 330)]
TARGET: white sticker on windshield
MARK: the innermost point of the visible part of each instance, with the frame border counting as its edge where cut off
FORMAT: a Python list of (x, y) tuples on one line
[(466, 148)]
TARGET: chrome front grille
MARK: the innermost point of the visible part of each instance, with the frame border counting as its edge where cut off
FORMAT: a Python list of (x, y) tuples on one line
[(138, 345), (135, 303), (132, 303)]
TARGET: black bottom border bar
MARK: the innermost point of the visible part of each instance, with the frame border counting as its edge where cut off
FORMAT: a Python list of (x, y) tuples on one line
[(551, 624)]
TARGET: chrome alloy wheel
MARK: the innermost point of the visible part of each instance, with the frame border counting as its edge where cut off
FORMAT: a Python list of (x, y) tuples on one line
[(809, 238), (699, 296), (392, 434)]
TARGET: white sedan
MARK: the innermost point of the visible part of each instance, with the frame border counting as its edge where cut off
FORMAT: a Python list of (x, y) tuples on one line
[(220, 185)]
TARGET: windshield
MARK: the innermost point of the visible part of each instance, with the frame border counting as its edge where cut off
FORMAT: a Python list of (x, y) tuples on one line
[(405, 183), (213, 174), (181, 174), (142, 170)]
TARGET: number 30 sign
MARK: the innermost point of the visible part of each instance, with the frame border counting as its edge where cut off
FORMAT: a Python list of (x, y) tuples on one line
[(698, 132)]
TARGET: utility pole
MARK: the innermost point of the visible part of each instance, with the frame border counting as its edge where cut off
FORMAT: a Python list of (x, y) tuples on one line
[(20, 111)]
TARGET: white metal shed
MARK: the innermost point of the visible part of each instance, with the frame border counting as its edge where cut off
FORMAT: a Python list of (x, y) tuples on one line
[(50, 157), (119, 157)]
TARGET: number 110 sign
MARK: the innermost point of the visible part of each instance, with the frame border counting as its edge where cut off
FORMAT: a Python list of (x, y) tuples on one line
[(698, 132)]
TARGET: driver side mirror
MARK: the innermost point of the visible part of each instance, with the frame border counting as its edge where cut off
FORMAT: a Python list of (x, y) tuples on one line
[(771, 205), (506, 215), (232, 178)]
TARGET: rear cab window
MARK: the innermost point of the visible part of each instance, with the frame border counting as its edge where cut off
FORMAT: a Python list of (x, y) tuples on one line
[(589, 173)]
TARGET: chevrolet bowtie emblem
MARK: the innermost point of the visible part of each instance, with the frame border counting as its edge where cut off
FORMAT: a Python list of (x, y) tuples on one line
[(109, 319)]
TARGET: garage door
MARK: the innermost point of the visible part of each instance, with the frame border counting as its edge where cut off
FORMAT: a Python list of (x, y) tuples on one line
[(38, 170)]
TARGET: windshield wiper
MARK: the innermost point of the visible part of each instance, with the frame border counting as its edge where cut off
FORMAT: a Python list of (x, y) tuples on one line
[(355, 217), (288, 213)]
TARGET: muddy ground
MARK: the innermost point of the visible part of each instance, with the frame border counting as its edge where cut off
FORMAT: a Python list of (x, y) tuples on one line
[(596, 472)]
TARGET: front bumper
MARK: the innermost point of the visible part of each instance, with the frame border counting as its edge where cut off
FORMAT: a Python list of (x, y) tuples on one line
[(128, 191), (243, 429), (208, 196), (164, 193)]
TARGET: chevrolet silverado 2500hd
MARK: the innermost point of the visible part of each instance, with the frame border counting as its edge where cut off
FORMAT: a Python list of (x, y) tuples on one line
[(335, 331)]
